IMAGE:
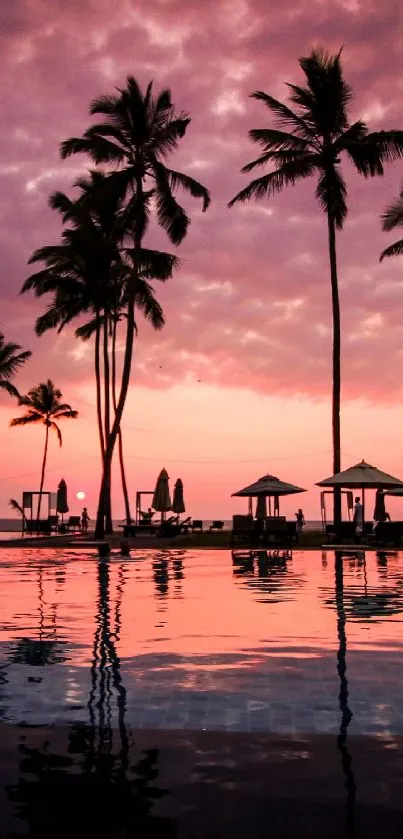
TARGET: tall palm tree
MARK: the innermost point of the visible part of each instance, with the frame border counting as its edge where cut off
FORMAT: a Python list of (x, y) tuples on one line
[(137, 132), (44, 406), (10, 361), (391, 218), (88, 274), (314, 132)]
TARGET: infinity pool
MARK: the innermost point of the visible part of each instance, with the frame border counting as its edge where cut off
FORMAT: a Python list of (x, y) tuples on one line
[(203, 652)]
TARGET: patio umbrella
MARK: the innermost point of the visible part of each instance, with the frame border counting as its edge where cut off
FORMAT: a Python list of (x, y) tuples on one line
[(362, 476), (178, 504), (161, 498), (261, 507), (268, 486), (61, 502)]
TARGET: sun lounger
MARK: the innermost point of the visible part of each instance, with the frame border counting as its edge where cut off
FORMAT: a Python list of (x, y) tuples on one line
[(276, 532), (387, 533), (244, 531), (37, 526), (197, 524), (74, 523), (217, 525)]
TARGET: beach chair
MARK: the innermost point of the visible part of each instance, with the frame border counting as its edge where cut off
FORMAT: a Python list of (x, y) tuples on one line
[(74, 523), (38, 526), (197, 524), (276, 533), (217, 525), (387, 533), (244, 532), (54, 523), (185, 525)]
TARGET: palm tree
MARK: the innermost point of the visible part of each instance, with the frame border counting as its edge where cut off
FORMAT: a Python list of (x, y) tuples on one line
[(391, 218), (312, 136), (137, 133), (44, 406), (10, 361), (88, 274)]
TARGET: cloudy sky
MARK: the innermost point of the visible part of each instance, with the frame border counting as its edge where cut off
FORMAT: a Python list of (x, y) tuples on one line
[(238, 384)]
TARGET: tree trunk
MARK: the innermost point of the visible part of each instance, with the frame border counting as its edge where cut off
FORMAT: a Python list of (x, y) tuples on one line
[(107, 424), (336, 366), (45, 454), (120, 438), (127, 363), (98, 386)]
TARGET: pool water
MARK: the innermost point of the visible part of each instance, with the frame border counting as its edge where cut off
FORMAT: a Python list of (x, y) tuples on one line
[(236, 664)]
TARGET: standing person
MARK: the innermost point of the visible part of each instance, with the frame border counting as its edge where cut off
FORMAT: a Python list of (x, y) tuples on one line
[(357, 517), (300, 523), (84, 520)]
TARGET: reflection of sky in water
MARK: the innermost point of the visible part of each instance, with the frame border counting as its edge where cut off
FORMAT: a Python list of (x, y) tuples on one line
[(202, 638)]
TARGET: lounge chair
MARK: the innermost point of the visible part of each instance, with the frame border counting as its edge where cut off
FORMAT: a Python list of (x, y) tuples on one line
[(37, 526), (185, 525), (54, 523), (276, 533), (74, 523), (244, 531), (387, 533), (197, 524), (217, 525)]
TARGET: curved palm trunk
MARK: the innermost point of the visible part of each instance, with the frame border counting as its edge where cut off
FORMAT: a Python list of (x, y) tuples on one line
[(127, 363), (120, 438), (107, 411), (98, 386), (336, 365), (45, 454)]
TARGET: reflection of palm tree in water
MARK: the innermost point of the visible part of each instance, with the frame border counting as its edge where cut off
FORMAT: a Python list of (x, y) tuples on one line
[(46, 648), (107, 795), (346, 714)]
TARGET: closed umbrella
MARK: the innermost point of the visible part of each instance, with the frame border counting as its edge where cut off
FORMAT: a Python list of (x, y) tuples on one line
[(61, 502), (178, 503), (161, 497), (380, 511)]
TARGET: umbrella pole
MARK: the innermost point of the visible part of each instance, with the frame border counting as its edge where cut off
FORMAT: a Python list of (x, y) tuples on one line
[(363, 511)]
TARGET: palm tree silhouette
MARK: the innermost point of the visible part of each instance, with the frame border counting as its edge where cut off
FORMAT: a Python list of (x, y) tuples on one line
[(10, 362), (137, 133), (44, 406), (313, 136), (391, 218), (89, 273)]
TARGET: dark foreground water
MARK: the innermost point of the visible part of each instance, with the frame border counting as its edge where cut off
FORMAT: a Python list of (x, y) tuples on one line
[(197, 694)]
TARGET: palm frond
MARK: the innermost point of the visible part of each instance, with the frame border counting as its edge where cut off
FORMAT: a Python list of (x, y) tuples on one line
[(9, 388), (196, 189), (393, 215), (393, 250), (276, 181), (28, 419), (331, 193), (284, 114), (171, 216), (56, 429), (17, 507)]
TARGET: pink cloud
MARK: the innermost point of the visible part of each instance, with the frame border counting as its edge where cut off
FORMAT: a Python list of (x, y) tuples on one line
[(251, 304)]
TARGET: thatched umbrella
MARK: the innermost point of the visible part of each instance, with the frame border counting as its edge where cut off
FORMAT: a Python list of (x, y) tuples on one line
[(362, 476), (268, 487)]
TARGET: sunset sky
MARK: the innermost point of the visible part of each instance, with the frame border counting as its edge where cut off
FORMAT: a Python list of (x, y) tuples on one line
[(238, 383)]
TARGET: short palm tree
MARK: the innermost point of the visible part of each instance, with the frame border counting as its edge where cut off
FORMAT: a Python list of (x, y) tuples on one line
[(391, 218), (11, 359), (313, 133), (44, 406), (137, 132)]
